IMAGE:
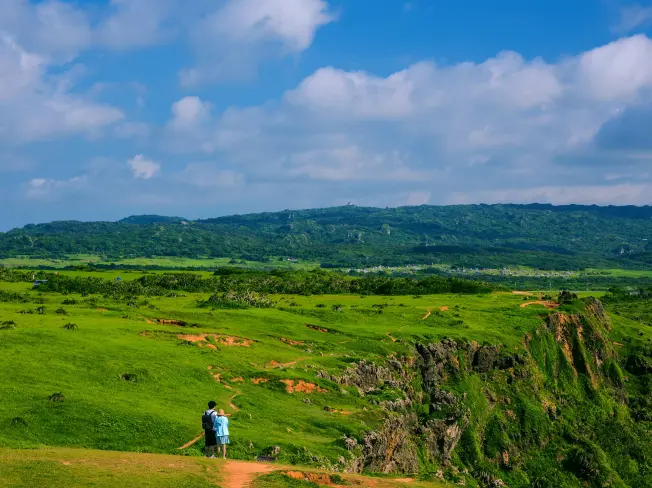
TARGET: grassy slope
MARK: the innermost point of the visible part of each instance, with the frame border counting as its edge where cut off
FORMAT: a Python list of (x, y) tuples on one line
[(77, 468), (159, 411), (82, 468)]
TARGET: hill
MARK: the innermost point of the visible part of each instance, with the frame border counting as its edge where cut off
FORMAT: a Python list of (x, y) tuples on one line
[(487, 388), (542, 236)]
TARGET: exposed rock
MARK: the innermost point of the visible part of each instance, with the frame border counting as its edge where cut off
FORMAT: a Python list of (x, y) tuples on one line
[(392, 450), (442, 436)]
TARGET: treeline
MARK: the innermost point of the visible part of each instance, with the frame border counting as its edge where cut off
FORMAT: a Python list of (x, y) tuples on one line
[(316, 282), (540, 236)]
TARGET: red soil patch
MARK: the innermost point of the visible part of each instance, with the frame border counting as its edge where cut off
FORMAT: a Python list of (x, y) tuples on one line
[(443, 309), (342, 412), (545, 303), (258, 381), (192, 338), (291, 342), (317, 328), (239, 379), (302, 387), (427, 315), (240, 473), (275, 364), (212, 346)]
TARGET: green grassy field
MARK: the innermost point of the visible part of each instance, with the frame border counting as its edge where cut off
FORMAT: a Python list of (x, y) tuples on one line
[(136, 376), (165, 262), (50, 468)]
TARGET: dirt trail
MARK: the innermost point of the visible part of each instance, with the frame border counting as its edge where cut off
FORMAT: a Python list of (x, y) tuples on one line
[(427, 315), (233, 407), (190, 443), (239, 474)]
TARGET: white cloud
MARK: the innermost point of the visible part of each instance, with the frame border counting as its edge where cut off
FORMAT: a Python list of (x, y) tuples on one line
[(230, 41), (45, 188), (502, 123), (56, 30), (37, 105), (189, 112), (620, 194), (349, 163), (619, 70), (143, 168)]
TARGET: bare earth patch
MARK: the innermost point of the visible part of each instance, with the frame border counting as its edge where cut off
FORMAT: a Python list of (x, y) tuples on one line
[(302, 387), (443, 309), (427, 315), (239, 474), (275, 364), (258, 381)]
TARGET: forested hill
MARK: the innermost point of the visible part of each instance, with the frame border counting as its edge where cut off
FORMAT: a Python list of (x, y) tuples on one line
[(545, 236)]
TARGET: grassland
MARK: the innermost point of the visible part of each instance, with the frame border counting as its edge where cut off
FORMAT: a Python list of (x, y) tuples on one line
[(163, 262), (135, 375)]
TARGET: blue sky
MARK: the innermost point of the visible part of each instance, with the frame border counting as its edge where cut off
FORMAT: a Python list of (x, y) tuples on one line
[(117, 107)]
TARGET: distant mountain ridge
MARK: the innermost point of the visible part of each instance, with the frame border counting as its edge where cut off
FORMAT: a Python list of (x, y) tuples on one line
[(569, 236)]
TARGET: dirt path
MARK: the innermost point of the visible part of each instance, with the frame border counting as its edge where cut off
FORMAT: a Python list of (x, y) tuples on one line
[(233, 407), (427, 315), (240, 473), (190, 443)]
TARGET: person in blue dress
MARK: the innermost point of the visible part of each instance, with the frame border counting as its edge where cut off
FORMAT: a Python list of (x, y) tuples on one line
[(221, 427)]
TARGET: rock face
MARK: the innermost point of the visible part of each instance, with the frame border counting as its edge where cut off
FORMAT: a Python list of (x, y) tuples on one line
[(427, 420), (392, 449)]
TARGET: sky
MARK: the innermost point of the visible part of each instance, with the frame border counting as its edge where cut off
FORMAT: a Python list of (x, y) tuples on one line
[(110, 108)]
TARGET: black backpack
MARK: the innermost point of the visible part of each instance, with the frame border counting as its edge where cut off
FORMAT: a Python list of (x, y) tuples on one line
[(207, 419)]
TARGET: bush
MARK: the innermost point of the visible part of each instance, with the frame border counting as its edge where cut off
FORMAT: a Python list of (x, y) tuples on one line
[(237, 300)]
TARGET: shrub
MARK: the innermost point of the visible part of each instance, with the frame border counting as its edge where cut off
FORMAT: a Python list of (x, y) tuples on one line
[(57, 397), (61, 311), (70, 326), (237, 300), (8, 325)]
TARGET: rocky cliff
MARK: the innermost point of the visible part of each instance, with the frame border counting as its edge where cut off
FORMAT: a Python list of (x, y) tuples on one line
[(553, 413)]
